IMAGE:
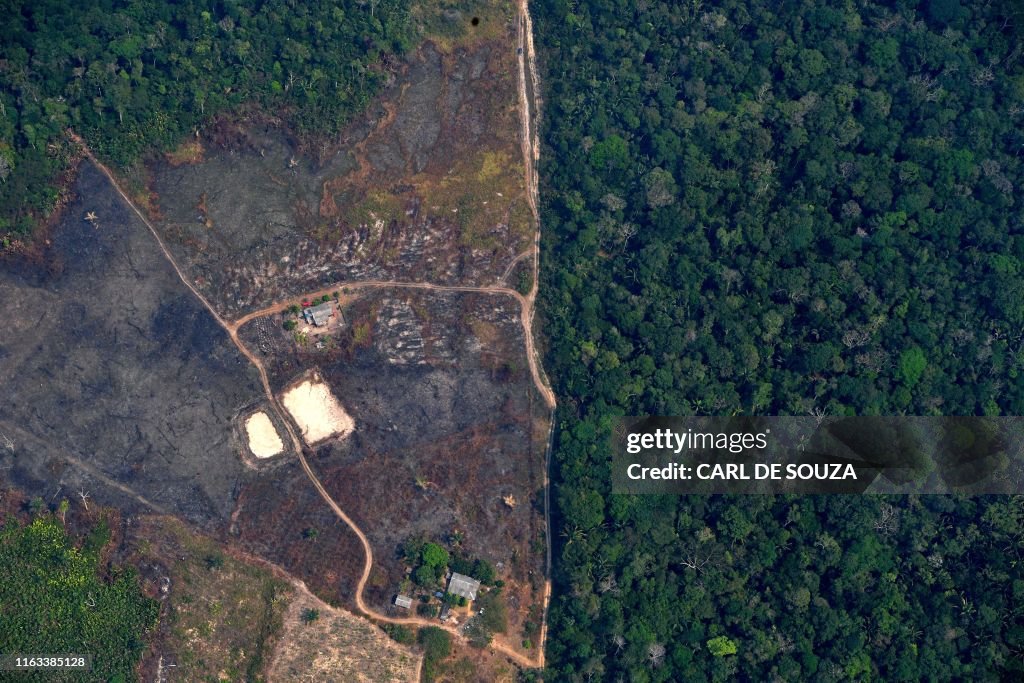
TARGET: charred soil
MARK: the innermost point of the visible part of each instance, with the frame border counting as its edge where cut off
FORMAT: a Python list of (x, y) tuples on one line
[(427, 185), (449, 433)]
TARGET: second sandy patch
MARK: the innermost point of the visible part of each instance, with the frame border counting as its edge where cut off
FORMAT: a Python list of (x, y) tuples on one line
[(264, 441)]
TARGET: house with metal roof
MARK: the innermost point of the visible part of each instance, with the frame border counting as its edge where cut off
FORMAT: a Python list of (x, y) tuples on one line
[(463, 586), (403, 601), (319, 315)]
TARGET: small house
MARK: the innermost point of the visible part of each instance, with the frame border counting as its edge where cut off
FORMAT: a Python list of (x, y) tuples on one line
[(403, 601), (463, 586), (319, 315)]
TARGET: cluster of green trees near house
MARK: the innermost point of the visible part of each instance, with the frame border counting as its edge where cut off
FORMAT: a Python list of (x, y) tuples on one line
[(56, 598), (781, 208), (430, 562), (132, 76)]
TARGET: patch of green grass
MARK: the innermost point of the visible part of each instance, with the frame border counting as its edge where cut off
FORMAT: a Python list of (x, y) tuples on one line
[(378, 207), (402, 635), (481, 192), (222, 618), (449, 23)]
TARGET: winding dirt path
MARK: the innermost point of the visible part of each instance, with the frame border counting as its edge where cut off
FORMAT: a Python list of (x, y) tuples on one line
[(527, 70), (512, 264)]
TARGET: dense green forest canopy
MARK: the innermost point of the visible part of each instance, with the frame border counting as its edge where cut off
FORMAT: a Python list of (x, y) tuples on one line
[(55, 600), (135, 75), (781, 208)]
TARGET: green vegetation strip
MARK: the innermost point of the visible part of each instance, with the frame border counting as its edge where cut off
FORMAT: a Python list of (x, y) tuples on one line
[(54, 599)]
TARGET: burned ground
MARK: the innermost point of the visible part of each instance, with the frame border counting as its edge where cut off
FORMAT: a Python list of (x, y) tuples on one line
[(427, 186), (283, 519), (121, 384), (111, 362), (449, 434)]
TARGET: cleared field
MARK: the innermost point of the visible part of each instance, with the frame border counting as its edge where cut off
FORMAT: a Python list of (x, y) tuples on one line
[(220, 614), (264, 441), (321, 644), (316, 411), (426, 185)]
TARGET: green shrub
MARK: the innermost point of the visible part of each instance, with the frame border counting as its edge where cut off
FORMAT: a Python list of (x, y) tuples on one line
[(437, 646), (400, 634)]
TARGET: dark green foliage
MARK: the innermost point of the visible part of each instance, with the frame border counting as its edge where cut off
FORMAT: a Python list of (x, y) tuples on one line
[(432, 559), (524, 282), (433, 555), (481, 570), (97, 538), (400, 634), (134, 75), (310, 615), (454, 600), (425, 576), (779, 208), (529, 676), (290, 325), (769, 227), (214, 561), (484, 572), (437, 646), (53, 600)]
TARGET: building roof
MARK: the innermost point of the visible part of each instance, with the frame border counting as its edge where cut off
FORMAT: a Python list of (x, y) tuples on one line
[(318, 315), (463, 586), (403, 601)]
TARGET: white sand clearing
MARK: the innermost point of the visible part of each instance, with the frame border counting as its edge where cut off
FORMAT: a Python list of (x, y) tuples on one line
[(316, 411), (264, 440)]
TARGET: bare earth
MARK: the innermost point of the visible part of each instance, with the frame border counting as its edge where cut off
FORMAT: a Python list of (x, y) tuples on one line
[(317, 411), (337, 646), (264, 441)]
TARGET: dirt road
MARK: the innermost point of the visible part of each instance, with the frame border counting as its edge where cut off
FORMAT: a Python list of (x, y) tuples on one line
[(512, 264), (525, 315), (529, 115), (527, 70)]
